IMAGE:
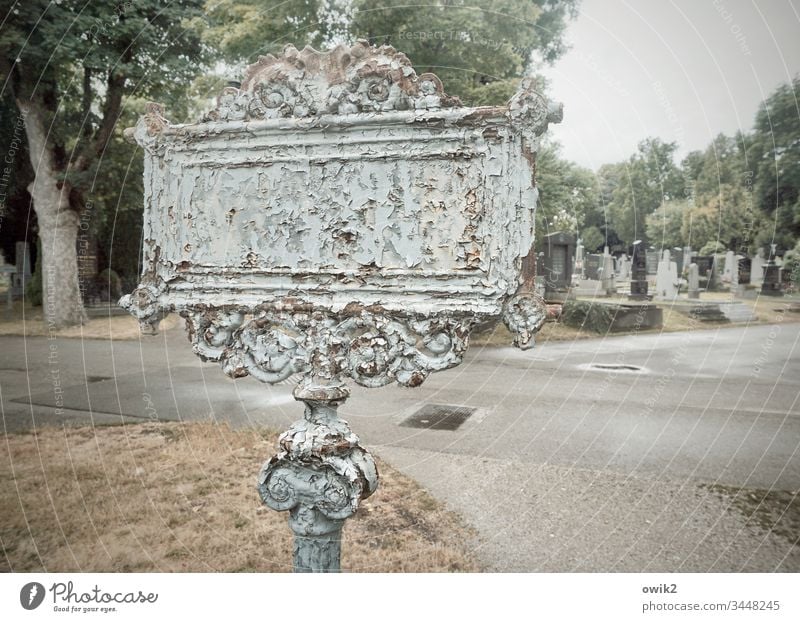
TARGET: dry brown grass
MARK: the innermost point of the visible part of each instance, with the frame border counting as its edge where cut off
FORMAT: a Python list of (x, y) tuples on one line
[(28, 321), (182, 497)]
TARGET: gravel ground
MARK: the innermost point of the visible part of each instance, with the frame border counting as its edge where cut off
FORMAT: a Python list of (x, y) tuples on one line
[(557, 519)]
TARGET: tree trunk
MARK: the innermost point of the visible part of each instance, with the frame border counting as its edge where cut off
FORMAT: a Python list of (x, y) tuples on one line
[(58, 227)]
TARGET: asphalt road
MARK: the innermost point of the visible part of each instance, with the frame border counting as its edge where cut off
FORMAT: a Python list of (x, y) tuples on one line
[(567, 444)]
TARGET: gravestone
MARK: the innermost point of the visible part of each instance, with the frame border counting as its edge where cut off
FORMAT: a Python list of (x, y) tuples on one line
[(578, 263), (556, 265), (688, 259), (757, 268), (607, 283), (705, 270), (652, 262), (743, 272), (338, 216), (667, 278), (677, 257), (624, 267), (693, 279), (593, 265), (639, 283), (7, 279), (22, 261), (771, 284), (729, 271)]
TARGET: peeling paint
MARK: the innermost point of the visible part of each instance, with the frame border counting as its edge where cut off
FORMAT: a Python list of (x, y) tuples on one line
[(338, 216)]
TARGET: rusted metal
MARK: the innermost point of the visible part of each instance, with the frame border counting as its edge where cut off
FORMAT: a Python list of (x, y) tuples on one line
[(338, 216)]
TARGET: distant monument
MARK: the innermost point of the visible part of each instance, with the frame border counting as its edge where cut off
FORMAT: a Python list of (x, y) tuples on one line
[(757, 268), (639, 272), (667, 278), (693, 279), (558, 250), (624, 267)]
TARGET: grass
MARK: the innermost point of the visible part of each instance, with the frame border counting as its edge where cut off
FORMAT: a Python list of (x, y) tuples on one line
[(182, 497), (769, 310)]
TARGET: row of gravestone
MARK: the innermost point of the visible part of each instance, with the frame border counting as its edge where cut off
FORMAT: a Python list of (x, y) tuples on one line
[(561, 257)]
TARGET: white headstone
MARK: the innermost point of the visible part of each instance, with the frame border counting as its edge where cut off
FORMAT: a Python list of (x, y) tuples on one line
[(757, 268), (624, 268), (608, 284), (728, 274), (577, 268), (667, 278), (694, 281)]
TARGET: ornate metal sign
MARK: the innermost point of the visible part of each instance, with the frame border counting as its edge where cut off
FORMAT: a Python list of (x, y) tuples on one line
[(338, 216)]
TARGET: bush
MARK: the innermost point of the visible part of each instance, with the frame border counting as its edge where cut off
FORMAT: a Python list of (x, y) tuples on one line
[(589, 315), (712, 248)]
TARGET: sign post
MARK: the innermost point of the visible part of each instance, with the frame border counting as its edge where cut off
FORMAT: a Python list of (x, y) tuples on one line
[(338, 216)]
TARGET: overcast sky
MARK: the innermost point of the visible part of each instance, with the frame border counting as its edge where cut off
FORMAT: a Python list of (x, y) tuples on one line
[(681, 70)]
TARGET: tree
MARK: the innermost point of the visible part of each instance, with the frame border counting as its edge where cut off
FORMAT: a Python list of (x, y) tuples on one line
[(664, 226), (775, 151), (728, 219), (567, 192), (651, 178), (242, 30), (593, 239), (479, 50), (71, 64)]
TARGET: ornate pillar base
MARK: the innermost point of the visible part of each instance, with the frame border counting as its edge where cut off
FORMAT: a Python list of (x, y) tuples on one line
[(320, 475), (315, 548)]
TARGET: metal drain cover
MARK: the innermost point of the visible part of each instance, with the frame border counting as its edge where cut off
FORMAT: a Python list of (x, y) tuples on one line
[(615, 367), (438, 417)]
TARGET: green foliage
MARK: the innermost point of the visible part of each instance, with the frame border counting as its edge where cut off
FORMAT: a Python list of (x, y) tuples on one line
[(87, 69), (568, 194), (775, 149), (650, 179), (664, 226), (243, 30), (590, 315), (712, 248), (593, 239), (728, 218), (479, 50), (791, 263)]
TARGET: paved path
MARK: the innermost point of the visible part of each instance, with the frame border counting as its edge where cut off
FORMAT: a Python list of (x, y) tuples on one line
[(564, 465)]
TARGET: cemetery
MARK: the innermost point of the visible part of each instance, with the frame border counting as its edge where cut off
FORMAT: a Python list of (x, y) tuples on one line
[(295, 297)]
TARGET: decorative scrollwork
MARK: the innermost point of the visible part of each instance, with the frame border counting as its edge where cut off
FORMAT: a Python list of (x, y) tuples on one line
[(269, 347), (345, 80), (143, 303), (374, 349), (211, 331), (524, 315), (320, 466)]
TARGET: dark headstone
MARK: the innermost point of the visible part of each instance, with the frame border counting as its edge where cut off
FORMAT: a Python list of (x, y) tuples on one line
[(592, 265), (772, 280), (638, 273), (705, 270), (22, 261), (677, 257), (557, 256), (744, 266)]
